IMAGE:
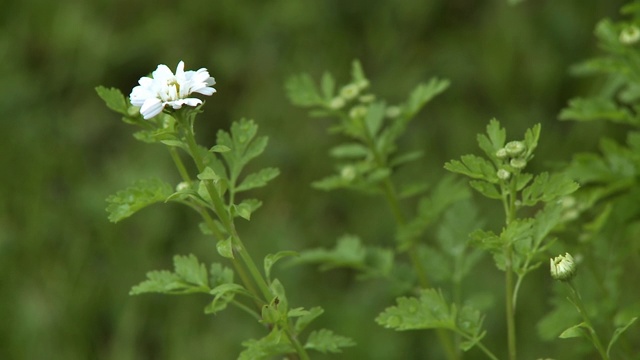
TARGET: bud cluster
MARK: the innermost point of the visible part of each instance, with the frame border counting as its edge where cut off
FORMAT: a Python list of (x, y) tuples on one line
[(514, 154)]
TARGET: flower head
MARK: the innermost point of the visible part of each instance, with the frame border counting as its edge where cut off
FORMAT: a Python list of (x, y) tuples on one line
[(563, 267), (630, 35), (166, 88)]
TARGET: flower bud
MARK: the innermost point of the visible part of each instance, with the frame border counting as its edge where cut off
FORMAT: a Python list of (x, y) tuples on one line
[(515, 148), (518, 163), (182, 186), (348, 173), (502, 154), (336, 103), (563, 267), (503, 174), (358, 112), (630, 35), (350, 91)]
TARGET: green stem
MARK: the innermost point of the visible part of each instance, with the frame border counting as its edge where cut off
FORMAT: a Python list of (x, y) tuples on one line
[(509, 200), (480, 345), (577, 301), (227, 221), (179, 165)]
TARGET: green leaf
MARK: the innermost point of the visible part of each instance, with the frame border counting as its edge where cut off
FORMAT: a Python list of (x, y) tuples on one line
[(304, 320), (208, 174), (494, 140), (531, 138), (276, 343), (350, 151), (271, 259), (350, 253), (223, 288), (431, 311), (258, 179), (141, 194), (189, 276), (474, 167), (225, 248), (374, 118), (486, 188), (243, 143), (579, 330), (589, 109), (357, 74), (618, 332), (547, 188), (302, 91), (219, 148), (422, 94), (114, 99), (325, 341), (245, 208), (405, 158), (328, 86)]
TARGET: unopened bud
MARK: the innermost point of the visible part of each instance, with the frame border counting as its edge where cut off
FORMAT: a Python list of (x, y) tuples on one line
[(348, 173), (503, 174), (182, 186), (350, 91), (515, 148), (358, 112), (563, 267), (336, 103), (630, 35), (518, 163), (502, 154)]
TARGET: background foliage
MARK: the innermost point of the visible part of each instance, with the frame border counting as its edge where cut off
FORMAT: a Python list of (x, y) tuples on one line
[(65, 271)]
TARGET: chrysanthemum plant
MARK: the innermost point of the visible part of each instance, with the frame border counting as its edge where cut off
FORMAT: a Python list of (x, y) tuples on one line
[(367, 162), (164, 107)]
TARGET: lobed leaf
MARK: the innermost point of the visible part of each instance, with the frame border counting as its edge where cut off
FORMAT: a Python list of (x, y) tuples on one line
[(326, 341), (258, 179), (422, 94), (474, 167), (136, 197), (302, 91), (276, 343), (189, 276), (114, 99)]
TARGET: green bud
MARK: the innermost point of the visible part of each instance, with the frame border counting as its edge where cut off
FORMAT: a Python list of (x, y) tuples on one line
[(503, 174), (358, 112), (563, 267), (515, 148), (348, 173), (630, 35), (518, 163), (502, 154), (350, 91), (336, 103)]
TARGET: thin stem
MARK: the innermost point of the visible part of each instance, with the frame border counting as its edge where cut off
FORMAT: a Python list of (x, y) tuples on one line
[(509, 200), (577, 301), (480, 345), (179, 164)]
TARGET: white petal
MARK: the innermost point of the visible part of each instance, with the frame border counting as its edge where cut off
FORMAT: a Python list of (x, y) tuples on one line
[(151, 108)]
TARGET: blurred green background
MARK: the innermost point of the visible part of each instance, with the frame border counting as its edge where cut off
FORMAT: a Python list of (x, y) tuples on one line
[(65, 271)]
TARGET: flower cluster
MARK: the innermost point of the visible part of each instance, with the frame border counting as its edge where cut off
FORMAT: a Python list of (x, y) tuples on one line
[(514, 153), (166, 88)]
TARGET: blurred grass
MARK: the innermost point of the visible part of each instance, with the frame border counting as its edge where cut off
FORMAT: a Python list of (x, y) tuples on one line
[(65, 271)]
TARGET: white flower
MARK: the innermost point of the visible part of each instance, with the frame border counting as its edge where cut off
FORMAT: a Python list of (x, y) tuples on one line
[(164, 88)]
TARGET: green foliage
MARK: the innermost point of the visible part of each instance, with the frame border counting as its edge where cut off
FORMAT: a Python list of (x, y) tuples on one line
[(373, 127), (431, 311), (136, 197), (325, 341), (349, 252), (189, 276)]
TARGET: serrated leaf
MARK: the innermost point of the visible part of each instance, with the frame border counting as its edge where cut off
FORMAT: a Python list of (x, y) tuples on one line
[(208, 174), (223, 295), (271, 259), (304, 320), (422, 94), (114, 99), (245, 208), (225, 248), (474, 167), (547, 188), (486, 188), (134, 198), (302, 91), (258, 179), (325, 341), (589, 109), (494, 139), (531, 138), (276, 343), (189, 276)]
